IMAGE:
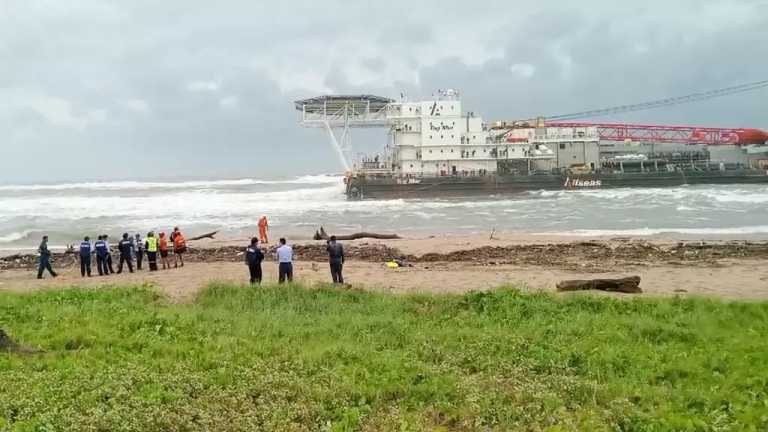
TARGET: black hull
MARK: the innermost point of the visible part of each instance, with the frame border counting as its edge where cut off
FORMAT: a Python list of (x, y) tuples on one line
[(389, 187)]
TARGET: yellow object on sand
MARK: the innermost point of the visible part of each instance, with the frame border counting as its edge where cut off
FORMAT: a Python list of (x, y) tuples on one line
[(392, 264)]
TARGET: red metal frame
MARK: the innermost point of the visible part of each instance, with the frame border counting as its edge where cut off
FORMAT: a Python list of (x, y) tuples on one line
[(672, 134)]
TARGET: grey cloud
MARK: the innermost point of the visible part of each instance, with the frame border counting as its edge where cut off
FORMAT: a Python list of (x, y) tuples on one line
[(119, 78)]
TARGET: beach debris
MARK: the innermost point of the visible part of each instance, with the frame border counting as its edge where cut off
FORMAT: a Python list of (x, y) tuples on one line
[(9, 345), (630, 285), (204, 236), (322, 235), (493, 231), (392, 264)]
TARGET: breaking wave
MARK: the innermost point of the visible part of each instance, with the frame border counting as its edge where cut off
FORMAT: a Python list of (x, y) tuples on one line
[(195, 184)]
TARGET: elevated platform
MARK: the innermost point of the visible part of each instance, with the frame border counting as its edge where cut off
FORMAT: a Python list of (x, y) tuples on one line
[(343, 110)]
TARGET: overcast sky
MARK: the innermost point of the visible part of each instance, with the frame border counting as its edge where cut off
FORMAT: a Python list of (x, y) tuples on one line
[(139, 89)]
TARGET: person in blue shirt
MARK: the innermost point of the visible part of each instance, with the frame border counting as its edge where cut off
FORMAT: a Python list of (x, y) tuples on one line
[(85, 256), (285, 262), (126, 250), (102, 250), (253, 258), (45, 259)]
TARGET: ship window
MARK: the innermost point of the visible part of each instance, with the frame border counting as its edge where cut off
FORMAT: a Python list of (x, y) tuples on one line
[(562, 146), (441, 151), (451, 136), (410, 109), (451, 150), (430, 150), (411, 165), (430, 137), (441, 137), (473, 137)]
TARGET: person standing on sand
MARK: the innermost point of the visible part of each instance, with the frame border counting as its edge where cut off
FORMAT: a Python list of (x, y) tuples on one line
[(151, 246), (45, 259), (263, 227), (102, 250), (285, 262), (85, 256), (336, 259), (126, 248), (179, 247), (253, 258), (108, 262), (139, 250), (163, 246)]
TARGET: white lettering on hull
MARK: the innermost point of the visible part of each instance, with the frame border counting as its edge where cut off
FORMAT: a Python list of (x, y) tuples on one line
[(578, 183)]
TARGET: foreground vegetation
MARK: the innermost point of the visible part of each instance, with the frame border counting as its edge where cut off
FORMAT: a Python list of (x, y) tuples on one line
[(324, 359)]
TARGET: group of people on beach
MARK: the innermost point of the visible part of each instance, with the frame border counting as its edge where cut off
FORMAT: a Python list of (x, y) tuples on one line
[(133, 248), (130, 249), (284, 255)]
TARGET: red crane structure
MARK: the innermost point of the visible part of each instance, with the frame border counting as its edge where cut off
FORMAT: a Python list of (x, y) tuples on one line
[(672, 134), (663, 133)]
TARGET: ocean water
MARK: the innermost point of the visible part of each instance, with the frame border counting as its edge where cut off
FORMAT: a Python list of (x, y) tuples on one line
[(297, 207)]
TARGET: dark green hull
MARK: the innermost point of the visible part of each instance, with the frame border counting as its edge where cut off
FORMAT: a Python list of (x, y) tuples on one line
[(390, 187)]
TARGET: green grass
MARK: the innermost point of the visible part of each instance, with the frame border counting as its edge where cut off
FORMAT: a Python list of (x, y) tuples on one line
[(243, 358)]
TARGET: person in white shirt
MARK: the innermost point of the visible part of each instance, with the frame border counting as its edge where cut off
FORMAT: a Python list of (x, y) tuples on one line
[(285, 262)]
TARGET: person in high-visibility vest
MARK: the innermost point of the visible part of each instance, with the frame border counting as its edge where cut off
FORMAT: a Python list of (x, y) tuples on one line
[(179, 246), (163, 246), (151, 247), (263, 226)]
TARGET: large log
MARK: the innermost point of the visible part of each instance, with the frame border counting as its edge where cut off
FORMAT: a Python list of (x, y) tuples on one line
[(206, 235), (625, 285), (322, 235)]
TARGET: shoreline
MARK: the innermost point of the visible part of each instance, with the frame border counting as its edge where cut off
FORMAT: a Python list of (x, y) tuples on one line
[(412, 242)]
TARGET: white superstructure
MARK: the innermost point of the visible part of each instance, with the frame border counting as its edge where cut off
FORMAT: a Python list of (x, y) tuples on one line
[(436, 138)]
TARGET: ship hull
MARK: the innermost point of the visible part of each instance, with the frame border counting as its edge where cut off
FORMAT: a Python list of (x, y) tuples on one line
[(390, 187)]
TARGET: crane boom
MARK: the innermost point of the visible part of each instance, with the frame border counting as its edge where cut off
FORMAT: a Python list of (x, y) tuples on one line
[(678, 100)]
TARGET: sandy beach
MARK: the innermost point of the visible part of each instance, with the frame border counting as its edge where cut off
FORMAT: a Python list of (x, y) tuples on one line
[(723, 268)]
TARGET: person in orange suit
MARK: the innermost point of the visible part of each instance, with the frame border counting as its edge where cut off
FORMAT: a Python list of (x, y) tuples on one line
[(263, 226)]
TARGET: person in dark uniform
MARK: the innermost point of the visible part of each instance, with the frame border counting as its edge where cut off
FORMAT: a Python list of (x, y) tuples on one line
[(126, 248), (101, 256), (85, 256), (45, 259), (336, 259), (253, 258), (109, 255)]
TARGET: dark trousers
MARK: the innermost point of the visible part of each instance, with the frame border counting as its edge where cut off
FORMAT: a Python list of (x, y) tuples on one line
[(127, 260), (109, 264), (255, 270), (101, 265), (85, 265), (285, 271), (336, 272), (139, 258), (152, 258), (45, 264)]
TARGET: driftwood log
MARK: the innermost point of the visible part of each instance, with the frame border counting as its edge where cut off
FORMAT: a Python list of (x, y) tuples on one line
[(322, 235), (625, 285), (206, 235)]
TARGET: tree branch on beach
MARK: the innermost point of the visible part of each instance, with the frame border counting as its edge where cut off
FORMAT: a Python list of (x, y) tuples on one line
[(206, 235), (322, 235)]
